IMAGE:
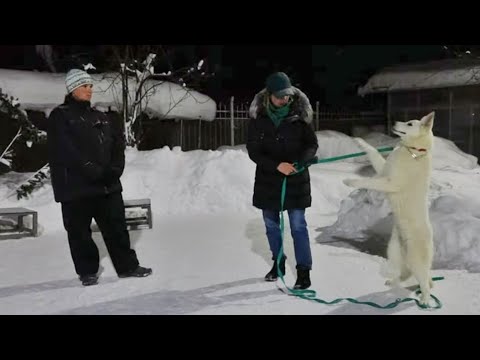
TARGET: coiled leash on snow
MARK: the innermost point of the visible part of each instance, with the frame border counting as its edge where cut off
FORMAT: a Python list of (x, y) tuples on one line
[(311, 294)]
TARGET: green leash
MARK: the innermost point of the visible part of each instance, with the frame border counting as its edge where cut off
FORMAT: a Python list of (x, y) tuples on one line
[(311, 294)]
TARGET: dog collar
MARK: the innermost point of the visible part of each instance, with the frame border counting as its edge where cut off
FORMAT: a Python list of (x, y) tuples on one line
[(414, 148), (416, 156)]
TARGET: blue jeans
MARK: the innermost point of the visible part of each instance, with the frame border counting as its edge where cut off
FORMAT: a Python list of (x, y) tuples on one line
[(298, 226)]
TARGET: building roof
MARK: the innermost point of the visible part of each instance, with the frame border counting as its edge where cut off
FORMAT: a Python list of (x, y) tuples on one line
[(429, 75)]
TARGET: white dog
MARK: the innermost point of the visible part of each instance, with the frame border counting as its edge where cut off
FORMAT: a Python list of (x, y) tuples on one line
[(405, 177)]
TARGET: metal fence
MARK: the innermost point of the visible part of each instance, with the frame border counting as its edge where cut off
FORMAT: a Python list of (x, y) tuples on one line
[(231, 123)]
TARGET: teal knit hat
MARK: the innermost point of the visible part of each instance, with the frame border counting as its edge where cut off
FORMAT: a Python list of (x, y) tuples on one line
[(279, 85)]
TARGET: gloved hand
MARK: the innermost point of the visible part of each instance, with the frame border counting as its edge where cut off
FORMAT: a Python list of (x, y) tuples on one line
[(93, 171), (110, 175), (307, 163)]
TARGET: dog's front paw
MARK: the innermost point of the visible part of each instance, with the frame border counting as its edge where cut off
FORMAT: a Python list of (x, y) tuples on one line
[(362, 143), (350, 182)]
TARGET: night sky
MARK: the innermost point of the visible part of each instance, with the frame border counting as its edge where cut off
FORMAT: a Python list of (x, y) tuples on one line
[(330, 74), (327, 73)]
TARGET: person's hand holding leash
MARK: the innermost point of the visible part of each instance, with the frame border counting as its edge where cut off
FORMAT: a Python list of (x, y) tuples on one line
[(286, 168)]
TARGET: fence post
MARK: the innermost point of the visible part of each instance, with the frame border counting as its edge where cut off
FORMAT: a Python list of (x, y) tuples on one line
[(317, 115), (389, 109), (181, 133), (450, 102), (199, 134), (125, 101), (232, 123), (470, 133)]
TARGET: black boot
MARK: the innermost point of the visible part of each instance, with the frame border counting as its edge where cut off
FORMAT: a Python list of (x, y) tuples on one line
[(139, 271), (88, 280), (303, 279), (273, 274)]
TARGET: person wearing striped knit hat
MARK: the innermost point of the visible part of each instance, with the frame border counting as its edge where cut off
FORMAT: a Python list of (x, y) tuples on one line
[(86, 157)]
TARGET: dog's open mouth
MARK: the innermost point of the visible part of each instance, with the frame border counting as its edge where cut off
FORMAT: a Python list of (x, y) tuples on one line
[(398, 132)]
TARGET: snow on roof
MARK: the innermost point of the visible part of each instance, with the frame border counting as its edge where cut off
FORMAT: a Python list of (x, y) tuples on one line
[(429, 75), (43, 91)]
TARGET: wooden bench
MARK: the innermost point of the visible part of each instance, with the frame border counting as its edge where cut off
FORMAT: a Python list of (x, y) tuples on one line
[(13, 224), (138, 213)]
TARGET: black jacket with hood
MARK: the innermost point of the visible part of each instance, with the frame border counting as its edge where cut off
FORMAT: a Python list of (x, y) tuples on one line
[(293, 141), (86, 151)]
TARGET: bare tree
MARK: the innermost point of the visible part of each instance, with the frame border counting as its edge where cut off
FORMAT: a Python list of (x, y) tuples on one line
[(465, 52), (137, 62), (45, 52), (28, 133), (26, 130)]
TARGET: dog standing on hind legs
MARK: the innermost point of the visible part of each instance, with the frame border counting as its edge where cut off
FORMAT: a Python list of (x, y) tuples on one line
[(405, 178)]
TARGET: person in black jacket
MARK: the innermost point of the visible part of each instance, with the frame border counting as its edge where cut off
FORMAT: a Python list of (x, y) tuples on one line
[(282, 141), (86, 156)]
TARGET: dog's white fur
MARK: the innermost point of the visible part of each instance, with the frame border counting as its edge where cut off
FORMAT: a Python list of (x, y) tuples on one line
[(405, 177)]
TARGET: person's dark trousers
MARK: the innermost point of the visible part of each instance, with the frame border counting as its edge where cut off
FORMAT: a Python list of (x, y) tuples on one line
[(109, 214)]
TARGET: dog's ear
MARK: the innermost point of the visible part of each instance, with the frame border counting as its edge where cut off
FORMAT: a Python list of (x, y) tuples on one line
[(427, 120)]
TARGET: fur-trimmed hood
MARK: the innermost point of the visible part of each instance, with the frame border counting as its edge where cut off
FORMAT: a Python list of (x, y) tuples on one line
[(301, 105)]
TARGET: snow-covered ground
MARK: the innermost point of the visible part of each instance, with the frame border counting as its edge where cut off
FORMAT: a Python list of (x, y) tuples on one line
[(208, 248)]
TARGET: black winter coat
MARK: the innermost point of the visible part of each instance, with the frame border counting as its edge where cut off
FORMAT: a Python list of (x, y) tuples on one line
[(85, 150), (293, 141)]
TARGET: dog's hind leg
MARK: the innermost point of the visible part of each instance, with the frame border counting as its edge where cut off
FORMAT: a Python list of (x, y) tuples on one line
[(396, 259), (419, 262), (377, 160), (424, 280)]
